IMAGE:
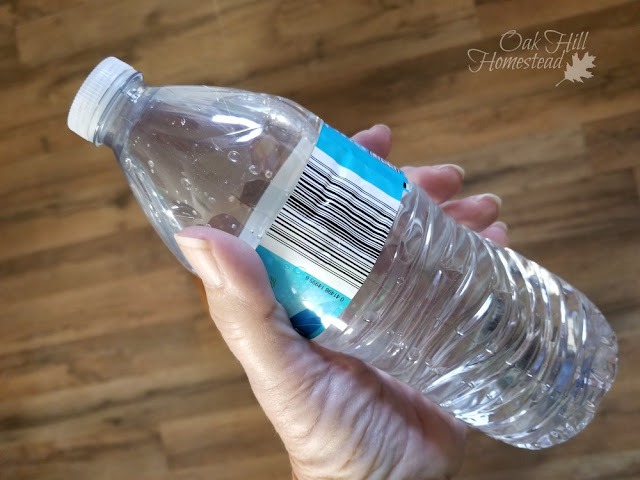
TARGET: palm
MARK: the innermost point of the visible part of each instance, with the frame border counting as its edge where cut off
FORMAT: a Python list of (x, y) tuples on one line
[(338, 418), (357, 422)]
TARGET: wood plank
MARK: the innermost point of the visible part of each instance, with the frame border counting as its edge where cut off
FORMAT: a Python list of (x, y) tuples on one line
[(95, 22), (32, 97), (619, 465), (523, 164), (55, 96), (8, 46), (32, 9), (272, 467), (614, 143), (480, 125), (580, 207), (499, 16), (369, 38), (611, 281), (66, 197), (329, 65), (80, 265), (219, 438), (461, 110), (126, 461), (119, 410), (123, 304), (626, 324), (102, 358), (50, 232), (100, 421), (83, 191), (82, 160), (45, 136)]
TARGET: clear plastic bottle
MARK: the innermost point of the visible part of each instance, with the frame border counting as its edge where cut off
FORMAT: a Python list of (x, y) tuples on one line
[(492, 337)]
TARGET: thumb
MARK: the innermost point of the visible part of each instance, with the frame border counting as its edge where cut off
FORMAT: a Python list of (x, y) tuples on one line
[(253, 324), (283, 367)]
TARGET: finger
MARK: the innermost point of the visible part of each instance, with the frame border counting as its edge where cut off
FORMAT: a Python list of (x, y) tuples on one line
[(477, 212), (441, 182), (253, 324), (377, 140), (498, 232)]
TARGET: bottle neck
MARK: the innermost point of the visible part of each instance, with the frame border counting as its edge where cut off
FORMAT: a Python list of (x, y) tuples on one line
[(123, 109)]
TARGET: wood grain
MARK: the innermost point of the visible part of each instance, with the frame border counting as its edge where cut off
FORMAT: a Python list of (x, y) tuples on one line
[(109, 365)]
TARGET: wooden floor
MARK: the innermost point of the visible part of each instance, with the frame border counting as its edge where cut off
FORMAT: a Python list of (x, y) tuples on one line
[(109, 366)]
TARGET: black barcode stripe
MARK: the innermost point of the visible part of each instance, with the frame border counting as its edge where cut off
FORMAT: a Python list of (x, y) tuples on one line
[(308, 231), (352, 275), (329, 172), (363, 232), (333, 223), (327, 186), (357, 191), (334, 186), (339, 227), (336, 264), (322, 188), (341, 252), (346, 264), (357, 249)]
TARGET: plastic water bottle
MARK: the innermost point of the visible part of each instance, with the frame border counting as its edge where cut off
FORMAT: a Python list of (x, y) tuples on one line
[(363, 261)]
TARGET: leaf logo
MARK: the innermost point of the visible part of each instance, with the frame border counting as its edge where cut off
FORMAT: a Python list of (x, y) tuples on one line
[(578, 69)]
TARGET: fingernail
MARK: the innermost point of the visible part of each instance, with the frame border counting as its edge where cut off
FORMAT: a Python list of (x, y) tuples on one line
[(200, 256), (457, 168), (494, 198), (382, 125), (501, 225)]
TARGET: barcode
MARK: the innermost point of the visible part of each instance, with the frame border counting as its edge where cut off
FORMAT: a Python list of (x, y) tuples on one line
[(336, 221)]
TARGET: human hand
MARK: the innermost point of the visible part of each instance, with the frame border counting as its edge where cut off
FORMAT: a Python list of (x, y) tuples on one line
[(338, 417)]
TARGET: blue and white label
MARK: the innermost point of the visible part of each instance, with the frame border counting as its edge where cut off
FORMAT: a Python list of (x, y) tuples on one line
[(326, 239)]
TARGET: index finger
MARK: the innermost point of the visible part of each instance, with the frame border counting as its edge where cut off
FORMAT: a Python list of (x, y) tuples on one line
[(377, 140)]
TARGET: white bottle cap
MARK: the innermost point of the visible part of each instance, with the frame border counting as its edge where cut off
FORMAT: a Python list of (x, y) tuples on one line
[(90, 102)]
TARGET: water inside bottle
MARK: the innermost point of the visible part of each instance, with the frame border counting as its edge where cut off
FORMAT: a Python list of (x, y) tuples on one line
[(193, 163)]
